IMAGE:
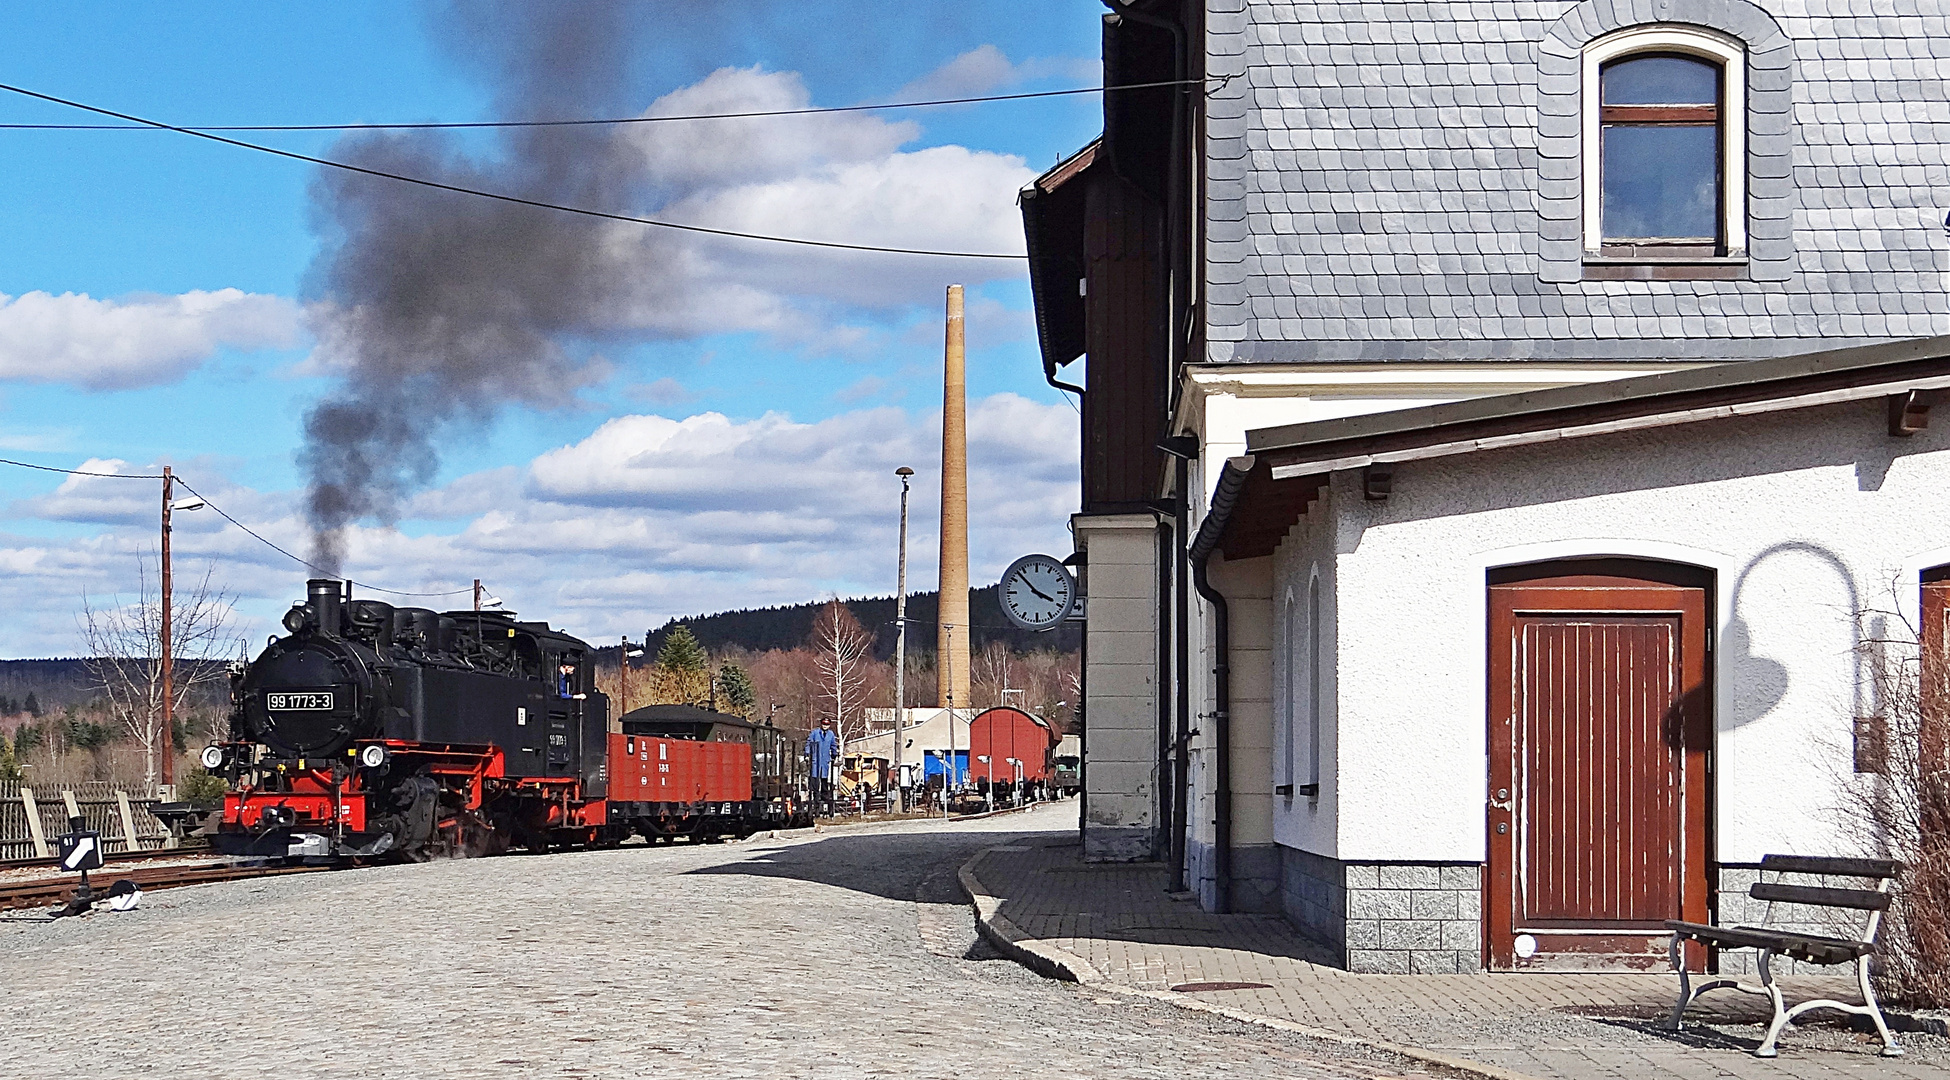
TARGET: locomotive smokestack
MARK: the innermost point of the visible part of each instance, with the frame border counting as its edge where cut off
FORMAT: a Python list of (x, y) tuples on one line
[(325, 595), (952, 631)]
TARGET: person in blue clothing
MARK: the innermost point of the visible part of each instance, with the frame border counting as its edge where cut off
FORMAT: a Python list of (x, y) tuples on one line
[(822, 746)]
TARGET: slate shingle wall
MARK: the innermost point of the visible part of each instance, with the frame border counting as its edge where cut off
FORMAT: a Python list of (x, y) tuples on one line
[(1374, 184)]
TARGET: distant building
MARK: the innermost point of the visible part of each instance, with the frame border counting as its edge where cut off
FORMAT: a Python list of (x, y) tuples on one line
[(927, 738), (1477, 519)]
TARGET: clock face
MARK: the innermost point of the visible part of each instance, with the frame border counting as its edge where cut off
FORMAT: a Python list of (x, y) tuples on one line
[(1038, 592)]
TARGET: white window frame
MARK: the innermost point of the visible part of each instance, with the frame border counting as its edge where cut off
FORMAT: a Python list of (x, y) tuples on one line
[(1731, 55), (1315, 604), (1290, 626)]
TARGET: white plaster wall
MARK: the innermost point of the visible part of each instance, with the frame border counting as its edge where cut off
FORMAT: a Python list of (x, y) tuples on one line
[(1298, 821), (1807, 517)]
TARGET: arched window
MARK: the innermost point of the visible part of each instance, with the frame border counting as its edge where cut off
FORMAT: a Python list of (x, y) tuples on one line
[(1291, 691), (1312, 786), (1664, 143)]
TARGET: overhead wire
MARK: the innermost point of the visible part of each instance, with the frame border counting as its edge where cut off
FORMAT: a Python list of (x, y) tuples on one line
[(221, 512), (307, 563), (80, 472), (583, 211), (451, 125)]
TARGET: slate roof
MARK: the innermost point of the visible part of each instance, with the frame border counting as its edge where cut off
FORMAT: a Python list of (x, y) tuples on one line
[(1374, 183)]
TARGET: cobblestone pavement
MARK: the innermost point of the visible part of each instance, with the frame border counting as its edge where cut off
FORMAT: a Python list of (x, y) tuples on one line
[(1118, 920), (779, 958)]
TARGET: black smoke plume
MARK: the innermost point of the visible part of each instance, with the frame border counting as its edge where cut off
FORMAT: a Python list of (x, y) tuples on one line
[(438, 309)]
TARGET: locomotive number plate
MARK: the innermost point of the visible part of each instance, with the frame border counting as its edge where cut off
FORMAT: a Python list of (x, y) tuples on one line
[(317, 700)]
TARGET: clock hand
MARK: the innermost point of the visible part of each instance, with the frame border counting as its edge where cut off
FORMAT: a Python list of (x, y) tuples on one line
[(1031, 586)]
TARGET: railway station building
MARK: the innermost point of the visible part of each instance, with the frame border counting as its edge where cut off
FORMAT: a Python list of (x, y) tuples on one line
[(1506, 439)]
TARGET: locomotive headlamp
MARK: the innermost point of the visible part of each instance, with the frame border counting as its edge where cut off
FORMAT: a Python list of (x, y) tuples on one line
[(372, 757), (299, 617), (212, 758)]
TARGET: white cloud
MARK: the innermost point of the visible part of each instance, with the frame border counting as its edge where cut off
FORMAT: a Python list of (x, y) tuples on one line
[(137, 340), (986, 69), (645, 518), (844, 177)]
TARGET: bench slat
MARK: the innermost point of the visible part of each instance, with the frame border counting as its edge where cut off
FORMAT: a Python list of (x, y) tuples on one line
[(1820, 896), (1809, 864)]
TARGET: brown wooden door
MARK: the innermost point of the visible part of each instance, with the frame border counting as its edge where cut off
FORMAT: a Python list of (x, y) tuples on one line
[(1600, 722)]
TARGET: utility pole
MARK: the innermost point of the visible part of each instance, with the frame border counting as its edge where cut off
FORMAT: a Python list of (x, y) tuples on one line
[(477, 594), (900, 640), (168, 663)]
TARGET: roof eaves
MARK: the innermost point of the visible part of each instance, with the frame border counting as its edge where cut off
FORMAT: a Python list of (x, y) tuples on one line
[(1642, 401)]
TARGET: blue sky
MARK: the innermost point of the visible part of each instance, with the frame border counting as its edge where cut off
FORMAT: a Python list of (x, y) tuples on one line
[(762, 353)]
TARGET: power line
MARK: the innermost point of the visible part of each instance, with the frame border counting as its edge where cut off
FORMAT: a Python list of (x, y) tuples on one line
[(619, 120), (498, 196), (259, 537), (79, 472), (307, 563)]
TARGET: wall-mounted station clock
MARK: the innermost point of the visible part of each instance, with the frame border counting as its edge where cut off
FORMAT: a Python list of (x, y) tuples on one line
[(1038, 592)]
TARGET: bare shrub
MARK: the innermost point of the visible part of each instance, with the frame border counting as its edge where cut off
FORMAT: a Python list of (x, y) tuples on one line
[(1900, 807)]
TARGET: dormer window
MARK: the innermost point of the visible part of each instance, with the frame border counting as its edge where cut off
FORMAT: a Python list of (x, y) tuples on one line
[(1664, 174)]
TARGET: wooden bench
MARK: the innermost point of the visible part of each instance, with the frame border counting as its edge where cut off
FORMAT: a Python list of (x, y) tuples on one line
[(1811, 948)]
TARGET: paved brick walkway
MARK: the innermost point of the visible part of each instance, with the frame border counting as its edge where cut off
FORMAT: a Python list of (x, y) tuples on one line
[(835, 955), (1115, 927)]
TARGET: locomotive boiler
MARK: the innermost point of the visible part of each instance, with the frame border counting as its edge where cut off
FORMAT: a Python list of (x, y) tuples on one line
[(371, 729)]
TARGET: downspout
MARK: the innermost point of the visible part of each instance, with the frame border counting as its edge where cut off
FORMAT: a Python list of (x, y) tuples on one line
[(1181, 624), (1206, 544), (1167, 807)]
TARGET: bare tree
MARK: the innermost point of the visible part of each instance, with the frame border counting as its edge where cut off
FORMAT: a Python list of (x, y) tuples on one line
[(1897, 785), (843, 654), (125, 662), (989, 682)]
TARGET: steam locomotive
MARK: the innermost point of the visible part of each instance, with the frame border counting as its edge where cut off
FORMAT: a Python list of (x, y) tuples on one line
[(371, 730)]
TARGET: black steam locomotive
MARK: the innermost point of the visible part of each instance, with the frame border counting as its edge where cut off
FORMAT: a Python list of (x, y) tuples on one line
[(373, 729)]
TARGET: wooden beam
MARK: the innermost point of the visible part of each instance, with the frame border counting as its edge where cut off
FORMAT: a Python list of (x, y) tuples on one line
[(1909, 412)]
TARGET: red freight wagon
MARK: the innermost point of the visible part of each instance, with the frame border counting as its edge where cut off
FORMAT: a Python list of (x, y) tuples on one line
[(1001, 734), (679, 770)]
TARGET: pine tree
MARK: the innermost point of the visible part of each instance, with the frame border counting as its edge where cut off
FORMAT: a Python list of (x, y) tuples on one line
[(683, 669), (33, 705), (9, 764), (735, 693)]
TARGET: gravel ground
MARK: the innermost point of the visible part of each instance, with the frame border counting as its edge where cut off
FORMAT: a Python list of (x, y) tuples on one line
[(843, 954)]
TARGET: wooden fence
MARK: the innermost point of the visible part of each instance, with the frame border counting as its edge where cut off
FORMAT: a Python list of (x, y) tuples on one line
[(30, 819)]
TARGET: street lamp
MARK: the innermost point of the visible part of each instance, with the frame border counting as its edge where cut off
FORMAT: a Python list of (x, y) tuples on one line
[(623, 675), (900, 638), (990, 774), (1015, 765)]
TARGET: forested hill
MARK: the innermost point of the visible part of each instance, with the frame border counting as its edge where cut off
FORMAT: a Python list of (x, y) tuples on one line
[(759, 629)]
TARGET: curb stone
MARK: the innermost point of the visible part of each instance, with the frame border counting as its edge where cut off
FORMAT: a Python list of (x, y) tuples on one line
[(1052, 962)]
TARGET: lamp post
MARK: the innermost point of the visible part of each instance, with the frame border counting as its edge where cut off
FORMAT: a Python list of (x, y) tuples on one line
[(900, 639), (988, 795), (948, 669)]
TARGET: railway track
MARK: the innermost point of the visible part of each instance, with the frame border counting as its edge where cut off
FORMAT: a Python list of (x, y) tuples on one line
[(189, 850), (48, 892)]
